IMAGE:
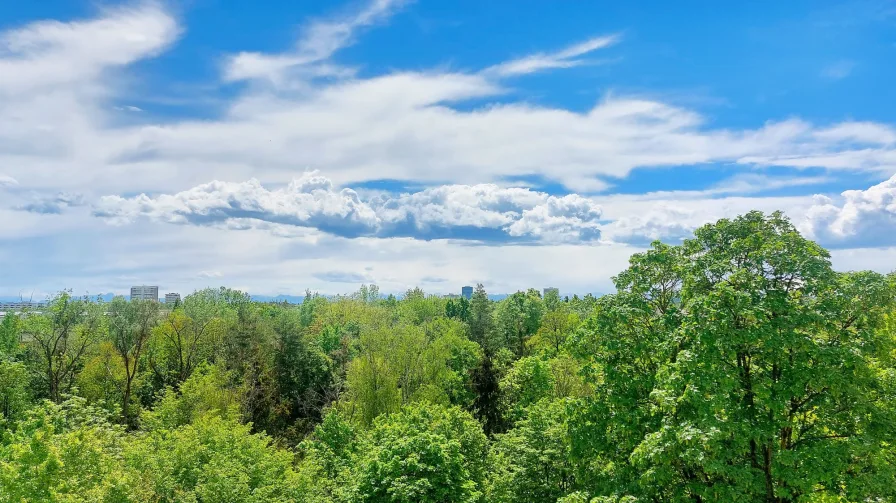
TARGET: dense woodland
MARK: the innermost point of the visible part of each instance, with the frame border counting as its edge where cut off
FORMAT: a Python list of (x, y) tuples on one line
[(738, 366)]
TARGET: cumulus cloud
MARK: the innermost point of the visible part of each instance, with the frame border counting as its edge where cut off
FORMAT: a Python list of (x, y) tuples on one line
[(856, 218), (308, 201), (484, 212)]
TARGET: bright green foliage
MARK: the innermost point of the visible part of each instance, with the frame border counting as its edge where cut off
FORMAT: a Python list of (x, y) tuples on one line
[(187, 335), (211, 460), (458, 309), (527, 381), (329, 454), (130, 326), (532, 462), (555, 329), (206, 393), (10, 327), (735, 368), (14, 396), (533, 378), (424, 453), (405, 364), (518, 318), (418, 308), (62, 453)]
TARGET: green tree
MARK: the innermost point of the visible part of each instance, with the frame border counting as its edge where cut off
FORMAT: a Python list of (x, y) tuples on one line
[(63, 453), (424, 453), (535, 378), (61, 337), (481, 327), (302, 370), (130, 326), (187, 335), (518, 318), (555, 329), (10, 326), (481, 323), (532, 462), (207, 392), (14, 396), (737, 367), (458, 309), (213, 459)]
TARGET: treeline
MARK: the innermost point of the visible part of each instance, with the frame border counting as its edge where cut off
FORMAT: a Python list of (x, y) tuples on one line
[(737, 366)]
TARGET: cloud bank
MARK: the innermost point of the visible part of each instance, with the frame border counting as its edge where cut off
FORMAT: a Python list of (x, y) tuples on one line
[(68, 138), (483, 212)]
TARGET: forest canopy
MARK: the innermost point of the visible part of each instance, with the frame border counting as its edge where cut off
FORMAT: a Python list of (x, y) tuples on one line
[(736, 366)]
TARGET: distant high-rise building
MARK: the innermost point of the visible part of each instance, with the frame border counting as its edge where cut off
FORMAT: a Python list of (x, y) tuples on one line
[(145, 293), (467, 292), (551, 290), (172, 298)]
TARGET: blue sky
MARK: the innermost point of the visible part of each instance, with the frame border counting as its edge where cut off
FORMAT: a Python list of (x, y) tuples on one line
[(294, 145)]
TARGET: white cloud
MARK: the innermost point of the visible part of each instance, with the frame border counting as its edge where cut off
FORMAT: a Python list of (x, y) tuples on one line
[(449, 211), (309, 201), (859, 132), (60, 131), (320, 40), (396, 125), (51, 53), (564, 58), (856, 218), (210, 274)]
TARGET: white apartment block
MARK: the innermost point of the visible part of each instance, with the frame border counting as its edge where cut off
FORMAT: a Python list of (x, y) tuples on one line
[(145, 293)]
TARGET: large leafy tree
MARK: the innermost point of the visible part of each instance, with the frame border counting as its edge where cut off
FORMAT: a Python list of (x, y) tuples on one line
[(10, 326), (737, 367), (424, 453), (64, 452), (301, 369), (481, 326), (213, 459), (532, 462), (61, 337), (186, 335), (518, 318), (130, 327)]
